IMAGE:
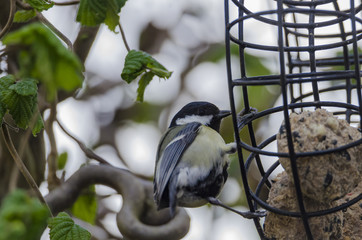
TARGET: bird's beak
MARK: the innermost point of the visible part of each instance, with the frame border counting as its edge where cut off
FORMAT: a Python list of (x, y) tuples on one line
[(223, 113)]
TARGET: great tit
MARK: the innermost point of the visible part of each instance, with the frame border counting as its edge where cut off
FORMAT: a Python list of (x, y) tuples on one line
[(192, 158)]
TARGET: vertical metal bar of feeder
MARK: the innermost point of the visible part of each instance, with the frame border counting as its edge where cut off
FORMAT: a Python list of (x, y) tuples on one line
[(312, 58), (283, 84), (347, 64), (356, 58), (234, 119)]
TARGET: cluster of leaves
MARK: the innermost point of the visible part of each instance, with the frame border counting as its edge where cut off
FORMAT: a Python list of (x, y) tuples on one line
[(43, 59), (90, 12), (139, 63), (19, 98), (22, 217)]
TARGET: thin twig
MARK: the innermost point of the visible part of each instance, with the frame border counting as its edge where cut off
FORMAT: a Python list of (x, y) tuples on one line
[(9, 144), (124, 37), (65, 3), (55, 30), (88, 152), (52, 157), (21, 149), (10, 19)]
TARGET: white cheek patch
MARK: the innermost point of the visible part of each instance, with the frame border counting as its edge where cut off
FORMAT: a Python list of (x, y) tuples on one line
[(204, 120)]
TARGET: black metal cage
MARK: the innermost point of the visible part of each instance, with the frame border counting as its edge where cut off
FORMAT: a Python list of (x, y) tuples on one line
[(316, 50)]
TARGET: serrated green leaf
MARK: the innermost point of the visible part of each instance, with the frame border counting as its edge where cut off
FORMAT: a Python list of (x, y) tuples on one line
[(40, 5), (20, 98), (138, 62), (45, 58), (94, 12), (22, 217), (25, 87), (62, 160), (24, 15), (20, 107), (85, 207), (142, 84), (62, 227)]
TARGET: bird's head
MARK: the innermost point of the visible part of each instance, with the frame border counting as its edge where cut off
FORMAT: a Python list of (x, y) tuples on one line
[(203, 112)]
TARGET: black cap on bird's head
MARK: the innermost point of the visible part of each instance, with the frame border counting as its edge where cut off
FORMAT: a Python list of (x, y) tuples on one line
[(203, 112)]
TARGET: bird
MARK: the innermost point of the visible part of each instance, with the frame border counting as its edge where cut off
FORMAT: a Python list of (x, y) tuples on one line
[(192, 158)]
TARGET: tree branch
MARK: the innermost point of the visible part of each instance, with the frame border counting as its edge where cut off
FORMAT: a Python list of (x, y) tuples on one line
[(53, 180), (84, 41), (10, 19), (55, 30), (88, 152), (138, 217), (20, 164)]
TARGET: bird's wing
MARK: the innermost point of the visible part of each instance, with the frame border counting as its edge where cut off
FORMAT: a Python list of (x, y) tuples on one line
[(171, 155)]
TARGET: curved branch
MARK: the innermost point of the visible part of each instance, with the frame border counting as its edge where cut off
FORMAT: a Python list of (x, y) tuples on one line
[(10, 19), (55, 30), (138, 218)]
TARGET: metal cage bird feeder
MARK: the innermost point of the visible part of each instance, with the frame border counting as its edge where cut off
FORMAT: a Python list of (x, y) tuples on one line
[(316, 50)]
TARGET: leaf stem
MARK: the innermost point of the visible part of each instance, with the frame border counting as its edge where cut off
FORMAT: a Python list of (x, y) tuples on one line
[(55, 30), (9, 23), (124, 37), (9, 144)]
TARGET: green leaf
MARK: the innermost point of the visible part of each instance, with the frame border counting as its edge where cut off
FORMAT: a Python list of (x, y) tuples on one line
[(62, 227), (94, 12), (40, 5), (24, 15), (20, 98), (39, 125), (45, 58), (85, 207), (25, 87), (62, 160), (22, 217), (142, 84), (138, 62), (5, 83)]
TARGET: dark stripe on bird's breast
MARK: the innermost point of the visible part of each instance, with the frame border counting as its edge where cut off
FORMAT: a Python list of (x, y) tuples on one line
[(211, 185)]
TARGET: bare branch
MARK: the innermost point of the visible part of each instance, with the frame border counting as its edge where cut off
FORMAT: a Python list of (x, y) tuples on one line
[(75, 2), (138, 217), (20, 164), (55, 30), (10, 19), (53, 180), (87, 151), (84, 41)]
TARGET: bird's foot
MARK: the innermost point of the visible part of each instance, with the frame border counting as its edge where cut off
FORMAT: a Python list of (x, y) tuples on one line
[(248, 215)]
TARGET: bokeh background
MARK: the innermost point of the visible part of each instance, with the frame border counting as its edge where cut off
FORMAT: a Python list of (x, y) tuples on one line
[(187, 37)]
